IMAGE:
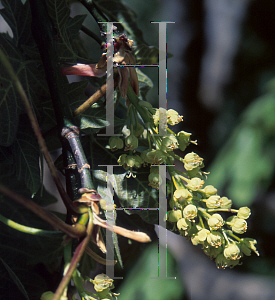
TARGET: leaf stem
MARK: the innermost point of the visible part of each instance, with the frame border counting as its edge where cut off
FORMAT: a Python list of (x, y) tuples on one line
[(29, 230), (74, 232)]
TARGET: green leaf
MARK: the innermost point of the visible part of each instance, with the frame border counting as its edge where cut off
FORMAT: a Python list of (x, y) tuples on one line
[(26, 157), (246, 162), (18, 17), (67, 28), (133, 193), (15, 279)]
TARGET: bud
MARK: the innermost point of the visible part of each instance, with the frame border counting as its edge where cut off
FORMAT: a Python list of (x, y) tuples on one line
[(209, 190), (215, 239), (225, 203), (195, 184), (173, 117), (155, 157), (183, 139), (181, 195), (192, 161), (174, 215), (213, 202), (232, 252), (154, 180), (243, 213), (190, 212), (238, 225), (131, 142), (200, 236), (115, 143), (169, 143), (183, 224), (130, 161), (215, 222), (103, 284)]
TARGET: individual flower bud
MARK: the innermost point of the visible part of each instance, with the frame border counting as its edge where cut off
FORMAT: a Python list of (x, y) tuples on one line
[(190, 212), (215, 239), (131, 142), (134, 161), (248, 244), (192, 161), (243, 213), (232, 252), (154, 180), (183, 224), (209, 190), (195, 184), (183, 139), (239, 226), (173, 117), (122, 159), (181, 195), (174, 215), (225, 203), (169, 143), (200, 236), (155, 157), (213, 202), (215, 222), (102, 282), (115, 143), (138, 130), (223, 262)]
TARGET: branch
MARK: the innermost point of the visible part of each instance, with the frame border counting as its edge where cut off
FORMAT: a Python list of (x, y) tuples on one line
[(71, 134)]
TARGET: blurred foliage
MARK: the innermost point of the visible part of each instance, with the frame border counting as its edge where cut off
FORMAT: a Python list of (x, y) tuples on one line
[(246, 162), (139, 283)]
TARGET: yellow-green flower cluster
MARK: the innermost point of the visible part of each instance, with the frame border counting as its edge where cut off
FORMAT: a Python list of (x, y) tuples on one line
[(197, 211)]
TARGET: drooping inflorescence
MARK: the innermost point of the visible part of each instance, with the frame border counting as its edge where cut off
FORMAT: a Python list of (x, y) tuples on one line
[(196, 212)]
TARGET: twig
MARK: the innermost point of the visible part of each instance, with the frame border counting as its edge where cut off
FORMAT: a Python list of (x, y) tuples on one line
[(75, 260), (101, 92)]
